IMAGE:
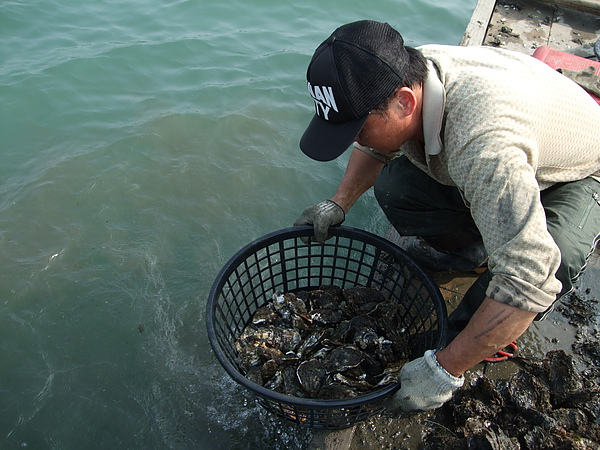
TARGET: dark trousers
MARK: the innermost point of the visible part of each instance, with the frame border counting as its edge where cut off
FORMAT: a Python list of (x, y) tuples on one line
[(417, 205)]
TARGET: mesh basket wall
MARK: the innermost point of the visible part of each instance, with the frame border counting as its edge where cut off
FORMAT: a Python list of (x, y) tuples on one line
[(281, 261)]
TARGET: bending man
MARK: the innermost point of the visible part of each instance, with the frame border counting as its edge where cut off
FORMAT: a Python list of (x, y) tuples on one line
[(476, 154)]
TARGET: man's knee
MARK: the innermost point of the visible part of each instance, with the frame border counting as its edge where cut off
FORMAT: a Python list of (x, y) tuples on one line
[(393, 185), (573, 215), (573, 259)]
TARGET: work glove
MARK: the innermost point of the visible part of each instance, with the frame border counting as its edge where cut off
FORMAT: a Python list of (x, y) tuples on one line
[(322, 216), (424, 385)]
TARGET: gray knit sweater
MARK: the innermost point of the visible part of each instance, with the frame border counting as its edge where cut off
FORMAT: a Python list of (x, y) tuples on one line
[(511, 126)]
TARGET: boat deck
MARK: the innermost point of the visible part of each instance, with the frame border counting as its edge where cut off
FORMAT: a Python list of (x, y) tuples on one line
[(525, 25)]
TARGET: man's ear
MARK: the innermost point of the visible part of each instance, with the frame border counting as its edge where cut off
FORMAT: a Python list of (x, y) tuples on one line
[(406, 100)]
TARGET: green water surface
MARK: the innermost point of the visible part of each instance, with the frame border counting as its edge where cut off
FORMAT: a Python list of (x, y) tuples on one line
[(142, 144)]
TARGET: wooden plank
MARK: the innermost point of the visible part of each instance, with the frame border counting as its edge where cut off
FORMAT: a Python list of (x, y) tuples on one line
[(477, 27), (586, 6)]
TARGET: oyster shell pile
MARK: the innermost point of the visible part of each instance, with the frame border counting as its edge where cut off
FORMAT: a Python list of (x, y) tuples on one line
[(547, 404), (324, 343)]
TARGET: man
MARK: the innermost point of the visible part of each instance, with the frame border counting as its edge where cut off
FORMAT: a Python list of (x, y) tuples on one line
[(481, 153)]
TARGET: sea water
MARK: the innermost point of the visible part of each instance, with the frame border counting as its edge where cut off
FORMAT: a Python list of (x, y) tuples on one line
[(142, 144)]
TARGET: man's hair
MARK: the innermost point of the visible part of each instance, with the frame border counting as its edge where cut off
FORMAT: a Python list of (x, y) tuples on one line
[(414, 75)]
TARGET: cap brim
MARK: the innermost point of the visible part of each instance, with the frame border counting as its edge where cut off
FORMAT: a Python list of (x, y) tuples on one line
[(325, 141)]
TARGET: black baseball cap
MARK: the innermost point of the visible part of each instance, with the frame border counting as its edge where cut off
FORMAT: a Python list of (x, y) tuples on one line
[(352, 72)]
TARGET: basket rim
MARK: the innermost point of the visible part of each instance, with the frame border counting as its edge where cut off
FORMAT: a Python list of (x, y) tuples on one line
[(308, 231)]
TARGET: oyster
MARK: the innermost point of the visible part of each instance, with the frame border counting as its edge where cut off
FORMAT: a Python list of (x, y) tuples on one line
[(265, 316), (336, 391), (284, 339), (325, 316), (343, 358), (313, 342), (311, 375), (324, 298), (358, 384)]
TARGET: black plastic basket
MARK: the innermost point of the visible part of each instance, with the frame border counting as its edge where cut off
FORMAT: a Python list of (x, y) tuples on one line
[(281, 261)]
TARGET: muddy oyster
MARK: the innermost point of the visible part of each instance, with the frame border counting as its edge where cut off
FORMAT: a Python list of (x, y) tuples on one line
[(547, 404)]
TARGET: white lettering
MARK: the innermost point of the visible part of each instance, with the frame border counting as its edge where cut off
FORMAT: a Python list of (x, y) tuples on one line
[(318, 94), (322, 108), (329, 98), (324, 99)]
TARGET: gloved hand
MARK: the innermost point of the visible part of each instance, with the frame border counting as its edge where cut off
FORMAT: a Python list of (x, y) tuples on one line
[(424, 385), (322, 216)]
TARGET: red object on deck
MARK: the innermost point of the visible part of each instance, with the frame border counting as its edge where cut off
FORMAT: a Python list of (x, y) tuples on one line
[(561, 60)]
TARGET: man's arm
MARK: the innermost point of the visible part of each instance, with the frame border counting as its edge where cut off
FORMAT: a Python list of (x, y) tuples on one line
[(429, 381), (493, 326), (361, 173)]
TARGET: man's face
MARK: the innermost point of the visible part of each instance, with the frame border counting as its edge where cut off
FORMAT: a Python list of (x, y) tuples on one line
[(381, 132), (388, 129)]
